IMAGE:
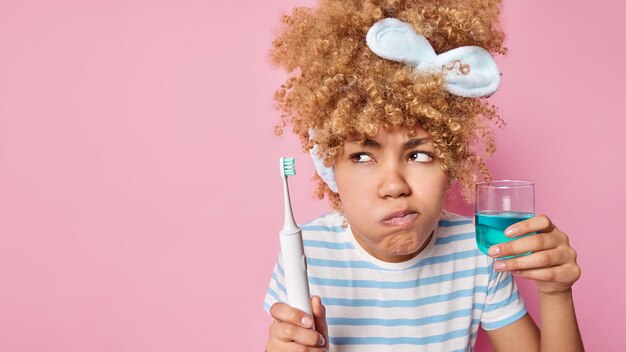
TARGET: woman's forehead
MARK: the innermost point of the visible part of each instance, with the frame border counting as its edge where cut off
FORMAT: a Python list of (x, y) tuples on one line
[(395, 133)]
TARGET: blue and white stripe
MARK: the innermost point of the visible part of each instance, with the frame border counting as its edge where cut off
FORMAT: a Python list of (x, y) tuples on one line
[(436, 303)]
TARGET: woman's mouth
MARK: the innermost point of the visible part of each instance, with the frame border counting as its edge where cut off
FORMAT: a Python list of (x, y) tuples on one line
[(402, 218)]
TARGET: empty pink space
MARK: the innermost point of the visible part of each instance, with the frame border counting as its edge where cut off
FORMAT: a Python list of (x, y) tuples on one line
[(140, 200)]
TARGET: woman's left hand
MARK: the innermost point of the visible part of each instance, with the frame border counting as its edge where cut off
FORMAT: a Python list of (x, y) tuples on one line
[(552, 263)]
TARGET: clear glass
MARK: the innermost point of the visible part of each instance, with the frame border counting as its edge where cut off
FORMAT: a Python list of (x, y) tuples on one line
[(500, 204)]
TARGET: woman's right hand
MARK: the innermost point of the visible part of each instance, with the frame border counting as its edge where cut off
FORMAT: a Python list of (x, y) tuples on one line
[(291, 329)]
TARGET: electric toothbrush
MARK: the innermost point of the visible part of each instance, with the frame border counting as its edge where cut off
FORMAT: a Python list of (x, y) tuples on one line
[(292, 249)]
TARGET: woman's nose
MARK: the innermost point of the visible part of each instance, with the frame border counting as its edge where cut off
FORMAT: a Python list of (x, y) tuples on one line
[(393, 183)]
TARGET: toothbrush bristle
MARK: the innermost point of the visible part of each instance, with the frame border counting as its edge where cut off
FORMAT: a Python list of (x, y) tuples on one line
[(289, 166)]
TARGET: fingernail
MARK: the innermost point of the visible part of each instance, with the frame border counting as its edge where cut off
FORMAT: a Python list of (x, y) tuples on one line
[(322, 341), (494, 251), (306, 321), (510, 231), (500, 265)]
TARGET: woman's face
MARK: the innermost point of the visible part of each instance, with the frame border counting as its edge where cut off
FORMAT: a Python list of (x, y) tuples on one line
[(392, 190)]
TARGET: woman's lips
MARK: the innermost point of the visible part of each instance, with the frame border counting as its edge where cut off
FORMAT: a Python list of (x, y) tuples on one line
[(401, 219)]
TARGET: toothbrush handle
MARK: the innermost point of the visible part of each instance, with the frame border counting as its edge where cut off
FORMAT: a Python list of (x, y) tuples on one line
[(298, 294)]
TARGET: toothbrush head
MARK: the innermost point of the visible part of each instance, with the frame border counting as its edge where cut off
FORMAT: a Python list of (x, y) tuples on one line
[(288, 166)]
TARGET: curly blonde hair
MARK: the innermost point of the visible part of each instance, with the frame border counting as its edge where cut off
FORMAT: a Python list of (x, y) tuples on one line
[(340, 88)]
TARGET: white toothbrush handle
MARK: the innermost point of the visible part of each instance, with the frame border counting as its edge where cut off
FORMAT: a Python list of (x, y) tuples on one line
[(298, 294)]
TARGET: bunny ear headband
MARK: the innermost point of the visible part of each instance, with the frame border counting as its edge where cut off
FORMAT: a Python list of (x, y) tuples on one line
[(469, 71)]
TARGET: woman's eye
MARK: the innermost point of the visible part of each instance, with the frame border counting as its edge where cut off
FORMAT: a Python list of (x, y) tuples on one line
[(420, 157), (360, 157)]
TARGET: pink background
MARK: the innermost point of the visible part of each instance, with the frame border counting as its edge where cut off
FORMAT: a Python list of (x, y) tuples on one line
[(139, 194)]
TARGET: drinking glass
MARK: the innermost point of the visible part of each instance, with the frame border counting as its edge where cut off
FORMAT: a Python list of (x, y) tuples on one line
[(499, 204)]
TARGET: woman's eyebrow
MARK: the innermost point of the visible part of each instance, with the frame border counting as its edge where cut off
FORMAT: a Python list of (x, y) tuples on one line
[(416, 142), (371, 144)]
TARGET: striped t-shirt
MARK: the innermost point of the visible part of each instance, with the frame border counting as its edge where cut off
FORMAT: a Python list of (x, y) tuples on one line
[(433, 302)]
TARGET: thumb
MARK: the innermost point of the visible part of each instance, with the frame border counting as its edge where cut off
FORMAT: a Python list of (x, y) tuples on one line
[(319, 315)]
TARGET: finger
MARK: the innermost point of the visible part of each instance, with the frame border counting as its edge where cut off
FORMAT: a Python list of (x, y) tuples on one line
[(288, 314), (292, 333), (532, 243), (319, 314), (539, 223), (292, 346), (284, 346), (565, 274), (537, 260)]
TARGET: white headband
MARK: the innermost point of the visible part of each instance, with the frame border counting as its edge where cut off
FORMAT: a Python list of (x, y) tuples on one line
[(326, 173), (392, 39)]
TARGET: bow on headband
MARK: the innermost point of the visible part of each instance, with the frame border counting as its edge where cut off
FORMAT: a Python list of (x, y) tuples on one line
[(469, 71)]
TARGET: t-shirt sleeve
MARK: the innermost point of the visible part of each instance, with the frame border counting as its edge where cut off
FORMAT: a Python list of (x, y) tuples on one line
[(276, 291), (503, 304)]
